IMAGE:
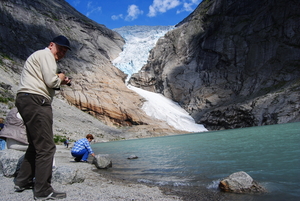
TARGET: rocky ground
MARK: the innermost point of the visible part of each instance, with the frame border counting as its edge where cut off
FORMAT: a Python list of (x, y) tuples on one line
[(103, 187), (71, 122), (95, 186)]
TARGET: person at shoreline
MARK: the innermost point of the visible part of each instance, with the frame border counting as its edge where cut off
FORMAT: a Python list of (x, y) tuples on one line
[(14, 131), (82, 149), (67, 142), (39, 80)]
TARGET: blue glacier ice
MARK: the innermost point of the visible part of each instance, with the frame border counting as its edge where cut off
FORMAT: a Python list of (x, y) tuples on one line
[(139, 41)]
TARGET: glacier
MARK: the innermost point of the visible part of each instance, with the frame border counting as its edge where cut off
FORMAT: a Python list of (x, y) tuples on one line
[(139, 41)]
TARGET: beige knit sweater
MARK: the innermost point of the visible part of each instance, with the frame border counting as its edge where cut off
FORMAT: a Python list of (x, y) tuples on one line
[(39, 74)]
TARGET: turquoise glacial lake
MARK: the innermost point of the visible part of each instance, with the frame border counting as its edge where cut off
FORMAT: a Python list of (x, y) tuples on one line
[(269, 154)]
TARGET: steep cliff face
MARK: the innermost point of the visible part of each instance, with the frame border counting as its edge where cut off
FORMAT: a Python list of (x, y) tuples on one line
[(231, 63), (98, 87)]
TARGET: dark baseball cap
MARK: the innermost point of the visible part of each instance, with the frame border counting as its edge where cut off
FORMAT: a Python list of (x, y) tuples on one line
[(62, 41)]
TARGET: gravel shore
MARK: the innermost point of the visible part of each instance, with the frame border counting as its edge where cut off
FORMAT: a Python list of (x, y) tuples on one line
[(95, 186)]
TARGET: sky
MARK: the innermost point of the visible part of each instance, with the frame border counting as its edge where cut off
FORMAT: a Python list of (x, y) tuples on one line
[(118, 13)]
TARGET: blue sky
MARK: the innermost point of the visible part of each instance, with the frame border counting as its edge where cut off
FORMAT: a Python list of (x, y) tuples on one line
[(118, 13)]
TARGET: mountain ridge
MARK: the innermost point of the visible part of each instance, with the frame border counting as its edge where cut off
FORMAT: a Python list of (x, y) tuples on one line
[(98, 87), (212, 64), (230, 64)]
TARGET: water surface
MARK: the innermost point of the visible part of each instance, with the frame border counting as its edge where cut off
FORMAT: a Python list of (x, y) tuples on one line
[(269, 154)]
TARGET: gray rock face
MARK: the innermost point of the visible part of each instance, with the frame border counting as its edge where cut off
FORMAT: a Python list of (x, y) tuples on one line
[(231, 63), (98, 88), (240, 182)]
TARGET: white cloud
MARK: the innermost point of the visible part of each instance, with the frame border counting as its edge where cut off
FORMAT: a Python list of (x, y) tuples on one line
[(76, 2), (89, 4), (188, 6), (91, 8), (97, 9), (116, 17), (133, 12), (162, 6)]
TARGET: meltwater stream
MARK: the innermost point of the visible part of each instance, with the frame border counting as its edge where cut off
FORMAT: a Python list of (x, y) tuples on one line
[(269, 154)]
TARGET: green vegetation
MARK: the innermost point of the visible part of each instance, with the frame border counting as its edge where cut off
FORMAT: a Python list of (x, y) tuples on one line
[(4, 57), (118, 139), (59, 139), (6, 100), (296, 85)]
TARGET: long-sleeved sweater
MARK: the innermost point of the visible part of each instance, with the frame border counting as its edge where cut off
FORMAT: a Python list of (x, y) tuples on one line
[(39, 74)]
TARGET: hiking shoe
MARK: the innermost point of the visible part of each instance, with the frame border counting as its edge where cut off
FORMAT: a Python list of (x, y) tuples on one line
[(77, 159), (23, 188), (55, 195)]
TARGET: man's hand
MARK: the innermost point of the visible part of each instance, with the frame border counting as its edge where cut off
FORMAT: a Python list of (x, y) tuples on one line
[(64, 79)]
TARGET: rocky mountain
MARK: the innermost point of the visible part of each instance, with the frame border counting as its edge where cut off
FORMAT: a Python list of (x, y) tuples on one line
[(98, 88), (231, 63)]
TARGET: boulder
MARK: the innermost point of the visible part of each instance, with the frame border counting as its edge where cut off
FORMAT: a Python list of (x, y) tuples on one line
[(68, 175), (102, 161), (132, 157), (10, 161), (240, 182)]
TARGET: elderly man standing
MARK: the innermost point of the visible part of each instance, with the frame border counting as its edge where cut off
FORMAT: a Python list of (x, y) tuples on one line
[(39, 79)]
